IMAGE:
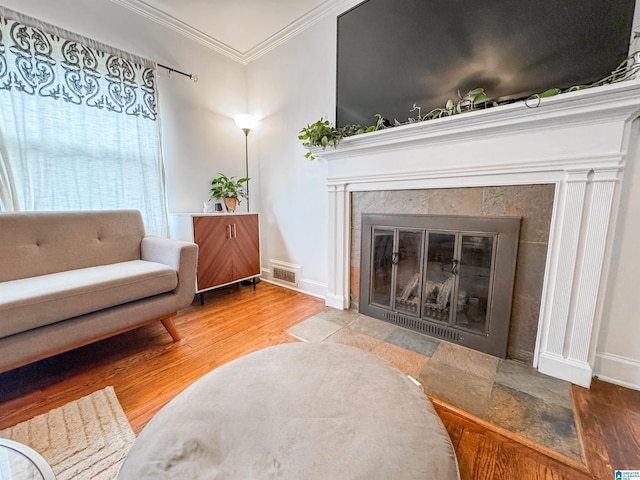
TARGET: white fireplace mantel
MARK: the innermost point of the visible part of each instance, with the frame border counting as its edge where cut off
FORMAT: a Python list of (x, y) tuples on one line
[(578, 141)]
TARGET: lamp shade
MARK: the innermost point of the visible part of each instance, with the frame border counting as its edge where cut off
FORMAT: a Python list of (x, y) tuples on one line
[(245, 121)]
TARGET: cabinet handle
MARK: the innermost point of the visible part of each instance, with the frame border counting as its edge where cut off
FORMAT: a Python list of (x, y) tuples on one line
[(235, 231), (229, 231)]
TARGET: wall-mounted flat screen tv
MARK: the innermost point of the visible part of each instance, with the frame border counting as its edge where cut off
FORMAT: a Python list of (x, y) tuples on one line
[(396, 53)]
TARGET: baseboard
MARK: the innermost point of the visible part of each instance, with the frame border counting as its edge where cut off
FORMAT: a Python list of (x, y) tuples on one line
[(305, 285), (336, 301), (313, 288), (619, 370), (570, 370)]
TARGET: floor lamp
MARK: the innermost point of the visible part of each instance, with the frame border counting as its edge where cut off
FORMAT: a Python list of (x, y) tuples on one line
[(246, 122)]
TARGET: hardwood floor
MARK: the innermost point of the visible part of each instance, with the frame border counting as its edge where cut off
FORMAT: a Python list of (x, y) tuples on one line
[(147, 369)]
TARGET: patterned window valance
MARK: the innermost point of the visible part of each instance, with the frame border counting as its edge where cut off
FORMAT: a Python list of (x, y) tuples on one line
[(40, 59)]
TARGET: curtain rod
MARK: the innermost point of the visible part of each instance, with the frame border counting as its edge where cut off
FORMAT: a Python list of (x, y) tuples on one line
[(190, 75)]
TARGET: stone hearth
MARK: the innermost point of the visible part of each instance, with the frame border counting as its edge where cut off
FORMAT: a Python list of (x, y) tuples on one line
[(577, 142)]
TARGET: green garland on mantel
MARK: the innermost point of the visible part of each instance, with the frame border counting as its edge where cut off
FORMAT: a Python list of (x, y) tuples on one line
[(323, 133)]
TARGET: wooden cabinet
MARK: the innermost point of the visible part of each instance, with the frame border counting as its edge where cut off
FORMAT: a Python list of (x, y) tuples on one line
[(229, 246)]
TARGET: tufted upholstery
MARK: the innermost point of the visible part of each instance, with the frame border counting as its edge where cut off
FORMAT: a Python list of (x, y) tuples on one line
[(52, 242)]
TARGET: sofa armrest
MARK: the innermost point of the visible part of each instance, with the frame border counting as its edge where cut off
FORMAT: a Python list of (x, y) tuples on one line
[(179, 255)]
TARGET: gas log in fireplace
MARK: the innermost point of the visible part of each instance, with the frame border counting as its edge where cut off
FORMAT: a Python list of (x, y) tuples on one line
[(450, 277)]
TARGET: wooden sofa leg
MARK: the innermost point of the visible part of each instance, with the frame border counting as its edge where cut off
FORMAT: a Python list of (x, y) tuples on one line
[(171, 328)]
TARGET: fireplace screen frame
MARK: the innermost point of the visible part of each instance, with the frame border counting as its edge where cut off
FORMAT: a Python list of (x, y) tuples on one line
[(504, 232)]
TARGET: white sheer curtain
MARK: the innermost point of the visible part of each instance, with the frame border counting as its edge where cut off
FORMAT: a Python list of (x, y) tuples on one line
[(8, 197), (78, 125)]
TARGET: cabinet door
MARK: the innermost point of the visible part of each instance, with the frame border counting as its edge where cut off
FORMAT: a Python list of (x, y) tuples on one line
[(246, 246), (215, 242)]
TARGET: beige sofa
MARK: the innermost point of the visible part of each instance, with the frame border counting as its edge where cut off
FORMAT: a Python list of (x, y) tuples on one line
[(71, 278)]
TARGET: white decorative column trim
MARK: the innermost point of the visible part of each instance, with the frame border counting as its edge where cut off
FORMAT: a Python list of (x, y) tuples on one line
[(578, 141), (339, 247), (587, 201), (563, 251), (600, 203)]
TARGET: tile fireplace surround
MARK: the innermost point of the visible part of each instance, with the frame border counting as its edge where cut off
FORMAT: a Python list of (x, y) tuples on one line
[(577, 141)]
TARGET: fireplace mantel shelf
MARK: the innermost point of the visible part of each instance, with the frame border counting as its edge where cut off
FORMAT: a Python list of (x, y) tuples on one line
[(615, 102), (579, 141)]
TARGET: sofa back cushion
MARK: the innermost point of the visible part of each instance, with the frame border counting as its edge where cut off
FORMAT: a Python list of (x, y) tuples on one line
[(39, 243)]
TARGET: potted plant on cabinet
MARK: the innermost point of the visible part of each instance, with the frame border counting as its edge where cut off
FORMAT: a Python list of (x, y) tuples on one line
[(229, 190)]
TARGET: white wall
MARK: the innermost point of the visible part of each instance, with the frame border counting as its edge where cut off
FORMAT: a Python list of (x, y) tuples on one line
[(618, 350), (288, 88), (617, 357), (199, 135)]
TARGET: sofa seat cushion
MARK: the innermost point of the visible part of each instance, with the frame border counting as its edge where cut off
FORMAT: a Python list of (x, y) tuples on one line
[(29, 303)]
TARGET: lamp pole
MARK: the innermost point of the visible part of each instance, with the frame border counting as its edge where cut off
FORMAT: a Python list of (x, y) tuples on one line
[(246, 161), (246, 122)]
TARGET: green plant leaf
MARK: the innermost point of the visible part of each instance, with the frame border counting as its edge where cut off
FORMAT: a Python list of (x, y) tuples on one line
[(476, 91), (549, 93), (228, 187), (480, 98)]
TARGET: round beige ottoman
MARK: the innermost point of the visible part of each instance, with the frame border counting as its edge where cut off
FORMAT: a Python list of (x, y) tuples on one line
[(296, 411)]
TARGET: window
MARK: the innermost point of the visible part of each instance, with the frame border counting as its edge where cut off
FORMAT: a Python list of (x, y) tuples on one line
[(79, 125)]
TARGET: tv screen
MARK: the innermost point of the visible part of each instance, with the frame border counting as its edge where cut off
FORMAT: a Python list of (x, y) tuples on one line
[(396, 53)]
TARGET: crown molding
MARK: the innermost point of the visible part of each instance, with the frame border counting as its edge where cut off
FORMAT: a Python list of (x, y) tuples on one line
[(291, 30), (294, 28), (182, 28)]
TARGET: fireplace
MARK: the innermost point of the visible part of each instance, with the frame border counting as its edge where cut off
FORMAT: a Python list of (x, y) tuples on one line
[(578, 142), (450, 277), (532, 203)]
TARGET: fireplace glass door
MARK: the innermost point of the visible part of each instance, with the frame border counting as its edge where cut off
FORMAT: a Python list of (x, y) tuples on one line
[(439, 277), (408, 260), (381, 270), (474, 284)]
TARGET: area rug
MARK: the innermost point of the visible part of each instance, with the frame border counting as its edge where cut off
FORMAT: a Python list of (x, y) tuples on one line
[(86, 439)]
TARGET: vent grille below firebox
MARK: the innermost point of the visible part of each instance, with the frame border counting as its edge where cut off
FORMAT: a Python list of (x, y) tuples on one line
[(423, 326)]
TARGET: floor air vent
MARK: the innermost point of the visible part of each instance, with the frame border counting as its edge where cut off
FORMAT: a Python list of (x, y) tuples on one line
[(284, 275), (283, 272)]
